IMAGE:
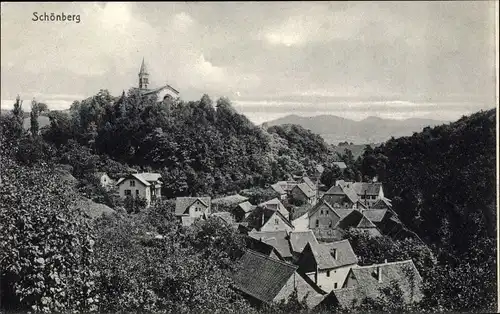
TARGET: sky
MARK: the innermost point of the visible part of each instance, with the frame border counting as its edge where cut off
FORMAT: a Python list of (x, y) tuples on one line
[(352, 59)]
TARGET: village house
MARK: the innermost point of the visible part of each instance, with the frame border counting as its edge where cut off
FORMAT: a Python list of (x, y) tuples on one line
[(280, 192), (287, 186), (368, 192), (188, 209), (324, 216), (341, 195), (228, 202), (266, 219), (275, 204), (327, 264), (266, 280), (242, 211), (104, 180), (279, 240), (368, 281), (146, 185), (288, 244), (304, 193)]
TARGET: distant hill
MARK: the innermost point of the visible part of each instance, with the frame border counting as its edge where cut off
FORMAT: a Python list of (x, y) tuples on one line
[(370, 130)]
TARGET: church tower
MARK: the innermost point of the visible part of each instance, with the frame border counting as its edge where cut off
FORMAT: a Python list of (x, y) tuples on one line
[(143, 76)]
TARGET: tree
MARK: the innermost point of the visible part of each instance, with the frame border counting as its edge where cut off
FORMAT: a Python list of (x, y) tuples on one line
[(331, 174), (46, 247), (18, 114)]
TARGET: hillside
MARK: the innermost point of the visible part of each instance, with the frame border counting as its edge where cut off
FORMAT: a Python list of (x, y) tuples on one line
[(335, 129)]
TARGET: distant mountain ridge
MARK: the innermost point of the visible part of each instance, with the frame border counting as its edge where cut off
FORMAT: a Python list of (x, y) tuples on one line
[(336, 129)]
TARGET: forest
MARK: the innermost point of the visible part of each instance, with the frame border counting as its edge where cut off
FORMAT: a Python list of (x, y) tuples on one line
[(54, 259)]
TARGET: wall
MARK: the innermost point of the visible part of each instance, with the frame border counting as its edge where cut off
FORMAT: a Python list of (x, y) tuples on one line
[(324, 219), (197, 209), (297, 194), (275, 223), (295, 281), (143, 190), (337, 275)]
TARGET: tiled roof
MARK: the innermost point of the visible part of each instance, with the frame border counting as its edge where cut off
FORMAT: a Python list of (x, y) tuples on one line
[(323, 254), (340, 164), (262, 277), (335, 190), (345, 253), (299, 239), (365, 223), (375, 215), (306, 189), (321, 204), (275, 204), (309, 182), (382, 203), (225, 216), (261, 247), (136, 176), (277, 239), (370, 188), (150, 176), (182, 203), (246, 207), (404, 273), (278, 189), (261, 215), (230, 200)]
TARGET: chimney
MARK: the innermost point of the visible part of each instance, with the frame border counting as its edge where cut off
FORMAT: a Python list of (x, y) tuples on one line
[(334, 254), (379, 273)]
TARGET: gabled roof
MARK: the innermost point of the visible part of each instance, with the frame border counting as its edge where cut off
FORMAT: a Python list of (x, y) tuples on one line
[(261, 277), (382, 203), (277, 239), (262, 247), (230, 200), (375, 215), (306, 189), (136, 176), (343, 188), (365, 223), (157, 90), (275, 204), (246, 206), (225, 216), (309, 183), (323, 254), (404, 273), (261, 215), (320, 204), (182, 203), (370, 188), (278, 189), (345, 253), (340, 164), (299, 239), (150, 176)]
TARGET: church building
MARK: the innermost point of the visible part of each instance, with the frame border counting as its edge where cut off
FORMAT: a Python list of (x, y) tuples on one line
[(163, 92)]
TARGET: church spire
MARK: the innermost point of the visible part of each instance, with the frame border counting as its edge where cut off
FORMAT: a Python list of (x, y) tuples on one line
[(143, 76)]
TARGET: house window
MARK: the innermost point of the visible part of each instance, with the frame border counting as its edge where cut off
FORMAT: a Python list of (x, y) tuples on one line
[(335, 286), (276, 221), (321, 212), (128, 192), (137, 192), (327, 273), (132, 183), (317, 223), (330, 224)]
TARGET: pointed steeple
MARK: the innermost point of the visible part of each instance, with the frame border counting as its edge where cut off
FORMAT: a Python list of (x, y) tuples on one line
[(143, 69), (143, 76)]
